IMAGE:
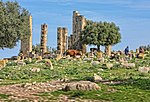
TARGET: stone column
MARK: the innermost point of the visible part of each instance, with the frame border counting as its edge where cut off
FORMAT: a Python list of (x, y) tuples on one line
[(83, 20), (81, 23), (62, 34), (74, 20), (72, 40), (64, 39), (26, 42), (59, 40), (30, 38), (69, 42), (44, 29)]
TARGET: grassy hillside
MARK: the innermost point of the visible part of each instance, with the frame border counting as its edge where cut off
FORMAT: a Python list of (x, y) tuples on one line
[(134, 86)]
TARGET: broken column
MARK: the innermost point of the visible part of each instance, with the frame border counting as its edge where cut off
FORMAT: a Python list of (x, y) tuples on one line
[(79, 22), (26, 42), (44, 30), (62, 34), (72, 40), (69, 42), (59, 40)]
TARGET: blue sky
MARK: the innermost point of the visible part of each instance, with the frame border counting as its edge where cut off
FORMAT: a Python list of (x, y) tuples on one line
[(132, 16)]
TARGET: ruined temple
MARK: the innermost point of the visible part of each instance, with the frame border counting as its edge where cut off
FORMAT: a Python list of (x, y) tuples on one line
[(79, 22), (44, 30), (62, 35), (26, 43)]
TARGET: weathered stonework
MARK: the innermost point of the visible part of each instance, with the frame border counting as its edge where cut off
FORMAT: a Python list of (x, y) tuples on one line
[(79, 22), (69, 42), (26, 43), (62, 34), (44, 30)]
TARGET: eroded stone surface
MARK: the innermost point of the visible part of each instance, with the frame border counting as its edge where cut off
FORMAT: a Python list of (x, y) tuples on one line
[(29, 91), (81, 85)]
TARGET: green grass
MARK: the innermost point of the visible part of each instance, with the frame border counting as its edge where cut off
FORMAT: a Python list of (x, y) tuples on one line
[(4, 96), (123, 93), (135, 89)]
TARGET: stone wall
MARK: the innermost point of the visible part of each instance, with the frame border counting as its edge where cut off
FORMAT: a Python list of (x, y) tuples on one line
[(44, 30), (26, 43), (62, 37)]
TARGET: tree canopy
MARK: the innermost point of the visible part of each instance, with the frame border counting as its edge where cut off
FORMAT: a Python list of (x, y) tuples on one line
[(37, 48), (14, 24), (100, 33)]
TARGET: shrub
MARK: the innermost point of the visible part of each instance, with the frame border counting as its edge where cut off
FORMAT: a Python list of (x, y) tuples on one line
[(11, 63)]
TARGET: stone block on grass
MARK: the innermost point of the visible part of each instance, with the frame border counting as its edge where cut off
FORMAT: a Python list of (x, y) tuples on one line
[(144, 69), (95, 63), (128, 65), (97, 78), (81, 86), (48, 63)]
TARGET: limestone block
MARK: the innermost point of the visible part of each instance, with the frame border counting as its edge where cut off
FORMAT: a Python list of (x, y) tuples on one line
[(21, 63), (144, 69), (3, 63), (141, 56), (81, 85), (39, 58), (128, 65), (58, 57), (109, 65), (35, 70), (94, 63), (97, 78), (48, 63)]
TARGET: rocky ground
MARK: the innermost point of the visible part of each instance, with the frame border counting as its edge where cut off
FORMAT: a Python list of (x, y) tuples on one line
[(29, 91)]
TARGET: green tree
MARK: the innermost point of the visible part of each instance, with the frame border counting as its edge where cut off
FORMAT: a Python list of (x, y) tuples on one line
[(100, 34), (111, 35), (37, 48), (14, 24), (90, 34)]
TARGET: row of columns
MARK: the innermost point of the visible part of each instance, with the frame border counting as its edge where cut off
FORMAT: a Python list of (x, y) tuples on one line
[(73, 41), (79, 22)]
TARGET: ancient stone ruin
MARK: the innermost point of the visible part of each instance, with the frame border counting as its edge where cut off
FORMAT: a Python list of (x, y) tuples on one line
[(44, 31), (64, 41), (79, 22), (26, 43), (62, 34)]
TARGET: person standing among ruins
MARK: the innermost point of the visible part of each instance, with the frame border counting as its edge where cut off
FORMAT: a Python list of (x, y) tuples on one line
[(126, 50), (141, 50), (141, 53)]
